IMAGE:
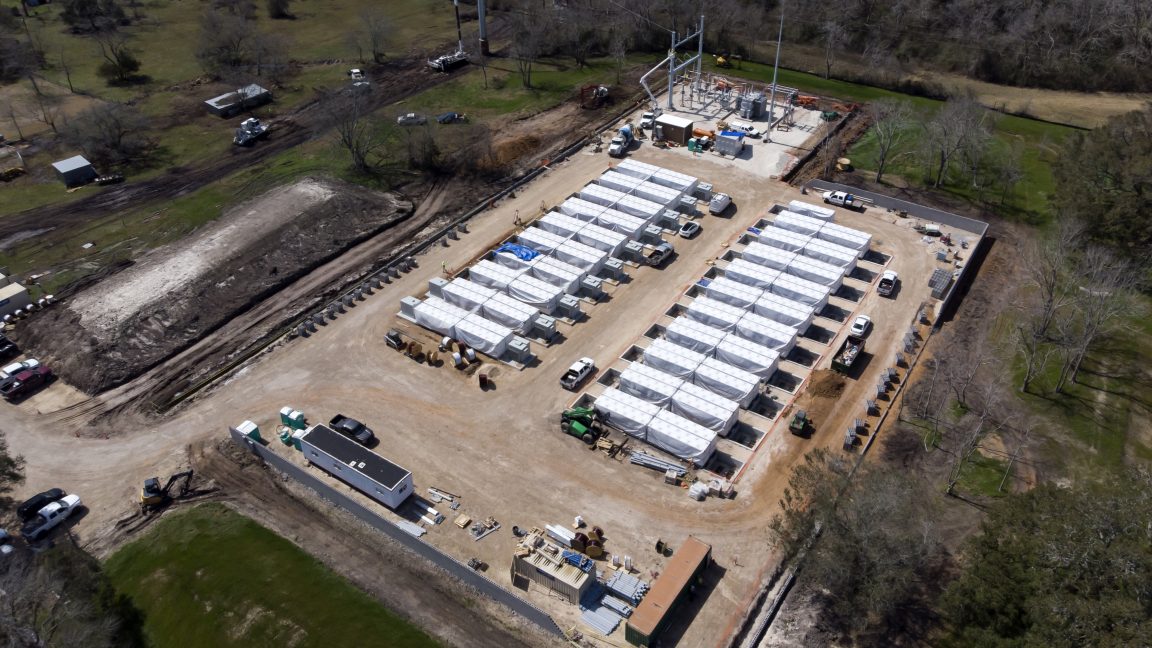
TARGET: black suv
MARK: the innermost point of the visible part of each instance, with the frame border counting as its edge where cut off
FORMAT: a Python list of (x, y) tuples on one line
[(30, 508)]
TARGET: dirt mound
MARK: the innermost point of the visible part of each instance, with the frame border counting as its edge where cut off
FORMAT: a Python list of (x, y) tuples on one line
[(826, 383), (115, 330)]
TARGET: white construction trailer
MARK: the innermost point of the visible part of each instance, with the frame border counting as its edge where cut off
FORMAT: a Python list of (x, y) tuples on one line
[(356, 465)]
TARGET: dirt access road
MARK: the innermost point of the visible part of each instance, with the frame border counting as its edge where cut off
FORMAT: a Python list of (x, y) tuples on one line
[(500, 449)]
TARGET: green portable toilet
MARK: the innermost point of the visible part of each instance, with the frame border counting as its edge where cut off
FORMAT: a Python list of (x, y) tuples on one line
[(285, 415), (296, 420), (250, 430), (296, 436)]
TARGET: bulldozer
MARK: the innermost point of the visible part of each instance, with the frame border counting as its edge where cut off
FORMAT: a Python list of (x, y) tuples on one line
[(580, 422), (153, 497)]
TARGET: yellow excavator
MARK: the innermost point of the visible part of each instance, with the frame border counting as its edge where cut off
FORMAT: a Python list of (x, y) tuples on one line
[(153, 497)]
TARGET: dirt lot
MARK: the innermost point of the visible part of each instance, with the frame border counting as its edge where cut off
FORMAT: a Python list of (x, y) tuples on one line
[(174, 295), (500, 449)]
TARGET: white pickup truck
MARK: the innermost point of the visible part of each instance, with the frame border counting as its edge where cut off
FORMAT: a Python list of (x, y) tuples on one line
[(843, 199), (50, 517)]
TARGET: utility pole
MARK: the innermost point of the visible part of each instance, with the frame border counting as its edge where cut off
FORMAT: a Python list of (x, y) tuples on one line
[(775, 71), (480, 16)]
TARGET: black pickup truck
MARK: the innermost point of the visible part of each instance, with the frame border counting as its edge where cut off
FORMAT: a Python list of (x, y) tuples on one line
[(352, 429)]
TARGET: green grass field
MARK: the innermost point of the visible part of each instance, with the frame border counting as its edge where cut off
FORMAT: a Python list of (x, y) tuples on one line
[(210, 577)]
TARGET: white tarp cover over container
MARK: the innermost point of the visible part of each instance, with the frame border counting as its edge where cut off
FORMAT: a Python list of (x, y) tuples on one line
[(625, 412), (831, 253), (732, 383), (714, 313), (636, 168), (601, 195), (783, 239), (660, 194), (492, 275), (618, 181), (750, 274), (801, 290), (535, 292), (601, 238), (539, 240), (746, 355), (685, 184), (815, 211), (693, 335), (672, 359), (814, 270), (649, 383), (766, 255), (468, 295), (766, 332), (732, 292), (617, 221), (560, 224), (799, 223), (510, 312), (709, 409), (440, 316), (580, 208), (585, 257), (786, 311), (682, 438), (846, 236), (481, 334), (640, 208), (557, 273)]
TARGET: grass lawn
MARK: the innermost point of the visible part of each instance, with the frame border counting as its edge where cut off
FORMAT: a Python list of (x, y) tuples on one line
[(213, 578), (166, 36), (1036, 141), (1101, 421)]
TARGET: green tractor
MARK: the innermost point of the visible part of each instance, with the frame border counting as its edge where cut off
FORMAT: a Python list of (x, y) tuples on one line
[(581, 423), (800, 424)]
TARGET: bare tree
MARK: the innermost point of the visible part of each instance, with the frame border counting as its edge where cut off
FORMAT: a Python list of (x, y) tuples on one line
[(531, 33), (227, 40), (890, 121), (356, 133), (947, 132), (1106, 294), (110, 132), (376, 33), (618, 49), (1045, 262), (120, 64), (834, 34)]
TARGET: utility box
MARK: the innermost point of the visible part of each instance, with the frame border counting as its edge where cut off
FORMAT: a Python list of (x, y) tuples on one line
[(652, 234), (704, 191), (670, 219), (408, 307), (356, 466), (687, 205), (614, 268), (519, 350), (544, 326), (592, 287), (436, 286), (634, 251), (570, 307)]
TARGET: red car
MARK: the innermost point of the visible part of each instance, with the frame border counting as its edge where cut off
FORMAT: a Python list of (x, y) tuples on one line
[(25, 382)]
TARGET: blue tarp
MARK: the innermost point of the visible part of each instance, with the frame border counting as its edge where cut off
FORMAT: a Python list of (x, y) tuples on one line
[(522, 251), (733, 134)]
